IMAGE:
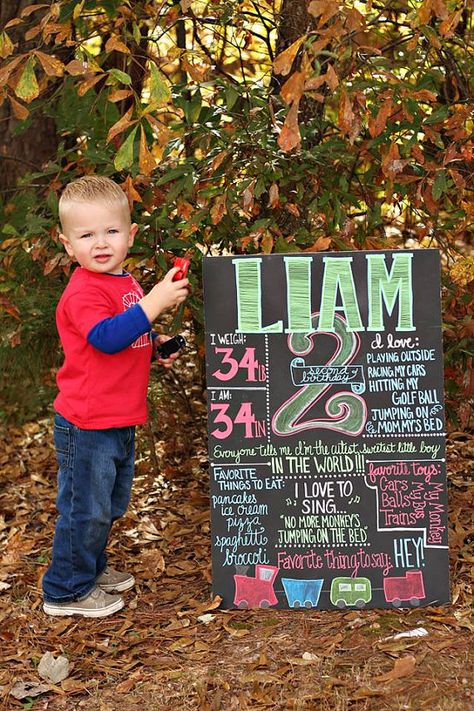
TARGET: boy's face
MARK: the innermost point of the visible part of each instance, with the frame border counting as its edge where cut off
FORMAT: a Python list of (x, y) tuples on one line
[(98, 236)]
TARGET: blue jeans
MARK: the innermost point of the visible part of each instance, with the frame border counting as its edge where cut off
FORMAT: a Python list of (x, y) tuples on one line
[(94, 486)]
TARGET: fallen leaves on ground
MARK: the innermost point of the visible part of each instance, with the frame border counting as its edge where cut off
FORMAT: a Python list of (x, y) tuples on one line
[(171, 648)]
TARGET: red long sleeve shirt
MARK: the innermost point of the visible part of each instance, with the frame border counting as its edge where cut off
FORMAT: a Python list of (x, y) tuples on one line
[(99, 390)]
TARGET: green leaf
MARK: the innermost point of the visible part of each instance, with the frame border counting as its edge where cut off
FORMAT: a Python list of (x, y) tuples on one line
[(172, 175), (120, 76), (136, 33), (27, 87), (9, 230), (231, 96), (124, 157), (439, 185), (171, 243), (438, 116), (192, 108), (282, 246), (160, 92)]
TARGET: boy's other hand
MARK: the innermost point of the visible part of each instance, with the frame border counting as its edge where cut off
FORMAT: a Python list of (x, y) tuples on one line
[(166, 362), (164, 295)]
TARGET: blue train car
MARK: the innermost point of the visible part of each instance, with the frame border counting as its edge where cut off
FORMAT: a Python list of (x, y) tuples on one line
[(302, 593)]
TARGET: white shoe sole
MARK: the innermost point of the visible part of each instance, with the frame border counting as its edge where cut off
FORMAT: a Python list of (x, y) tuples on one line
[(120, 587), (63, 610)]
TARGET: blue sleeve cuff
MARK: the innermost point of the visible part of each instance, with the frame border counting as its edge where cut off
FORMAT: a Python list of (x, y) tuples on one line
[(112, 335)]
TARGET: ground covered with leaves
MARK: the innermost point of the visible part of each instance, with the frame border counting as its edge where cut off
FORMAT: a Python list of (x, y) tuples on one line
[(171, 648)]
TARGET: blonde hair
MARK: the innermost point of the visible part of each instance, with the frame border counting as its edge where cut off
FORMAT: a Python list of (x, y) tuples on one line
[(92, 188)]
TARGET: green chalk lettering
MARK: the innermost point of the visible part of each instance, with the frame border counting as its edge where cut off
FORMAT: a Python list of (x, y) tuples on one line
[(385, 289), (298, 278), (249, 298), (338, 278)]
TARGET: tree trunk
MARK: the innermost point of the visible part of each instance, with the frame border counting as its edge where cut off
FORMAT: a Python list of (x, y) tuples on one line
[(293, 22), (33, 147)]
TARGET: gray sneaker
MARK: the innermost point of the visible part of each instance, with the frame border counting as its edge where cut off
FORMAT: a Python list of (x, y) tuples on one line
[(112, 580), (97, 604)]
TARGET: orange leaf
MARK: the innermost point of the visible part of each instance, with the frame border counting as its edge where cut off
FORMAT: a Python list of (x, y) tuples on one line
[(119, 95), (425, 11), (52, 66), (197, 72), (314, 83), (284, 61), (294, 209), (218, 210), (122, 124), (377, 124), (405, 666), (52, 263), (331, 78), (184, 209), (320, 245), (292, 89), (13, 23), (267, 243), (448, 26), (219, 158), (346, 114), (417, 153), (146, 160), (440, 9), (274, 196), (20, 112), (125, 686), (131, 193), (392, 163), (33, 32), (324, 9), (430, 203), (6, 45), (116, 44), (76, 67), (31, 8), (248, 197), (290, 136), (87, 84)]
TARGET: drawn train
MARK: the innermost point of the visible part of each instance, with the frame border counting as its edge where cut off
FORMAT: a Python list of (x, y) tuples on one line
[(409, 588), (302, 593), (258, 591)]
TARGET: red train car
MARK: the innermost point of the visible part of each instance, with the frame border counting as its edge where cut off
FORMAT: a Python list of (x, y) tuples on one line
[(257, 591), (409, 588)]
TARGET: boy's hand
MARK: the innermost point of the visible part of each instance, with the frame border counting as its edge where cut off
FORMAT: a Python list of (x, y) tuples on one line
[(166, 362), (164, 295)]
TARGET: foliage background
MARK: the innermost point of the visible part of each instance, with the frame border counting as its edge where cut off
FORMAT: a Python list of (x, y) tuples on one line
[(243, 127)]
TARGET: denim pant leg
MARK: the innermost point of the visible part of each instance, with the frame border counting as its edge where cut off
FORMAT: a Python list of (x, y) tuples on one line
[(94, 483), (122, 487)]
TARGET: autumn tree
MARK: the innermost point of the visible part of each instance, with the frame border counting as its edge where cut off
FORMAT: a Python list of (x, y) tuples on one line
[(247, 126)]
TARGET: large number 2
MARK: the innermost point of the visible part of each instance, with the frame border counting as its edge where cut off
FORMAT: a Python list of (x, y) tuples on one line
[(347, 412)]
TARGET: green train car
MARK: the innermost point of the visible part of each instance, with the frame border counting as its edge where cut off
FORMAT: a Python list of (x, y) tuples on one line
[(351, 592)]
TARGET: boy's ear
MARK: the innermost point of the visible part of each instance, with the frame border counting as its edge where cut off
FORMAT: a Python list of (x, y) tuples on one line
[(67, 245), (133, 232)]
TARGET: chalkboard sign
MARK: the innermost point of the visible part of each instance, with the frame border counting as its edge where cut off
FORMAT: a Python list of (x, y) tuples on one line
[(326, 429)]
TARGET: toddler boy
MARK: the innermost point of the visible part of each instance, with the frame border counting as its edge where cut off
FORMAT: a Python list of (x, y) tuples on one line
[(104, 322)]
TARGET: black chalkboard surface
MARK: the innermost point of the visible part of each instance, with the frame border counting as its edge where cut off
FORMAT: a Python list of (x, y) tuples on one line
[(326, 429)]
